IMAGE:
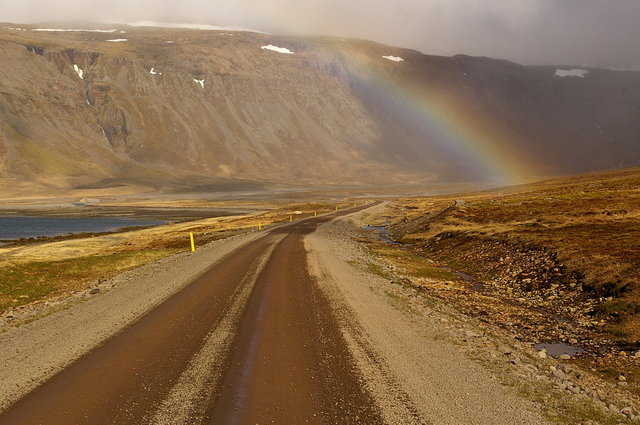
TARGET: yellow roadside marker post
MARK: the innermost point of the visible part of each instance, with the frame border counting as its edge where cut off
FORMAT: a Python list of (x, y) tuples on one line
[(336, 208), (193, 244), (290, 219), (315, 213), (259, 225)]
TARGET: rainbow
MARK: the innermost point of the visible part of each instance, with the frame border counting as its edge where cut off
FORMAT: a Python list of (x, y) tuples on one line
[(459, 128), (464, 132), (486, 147), (467, 137)]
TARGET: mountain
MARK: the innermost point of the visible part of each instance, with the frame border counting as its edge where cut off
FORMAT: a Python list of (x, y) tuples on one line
[(181, 109)]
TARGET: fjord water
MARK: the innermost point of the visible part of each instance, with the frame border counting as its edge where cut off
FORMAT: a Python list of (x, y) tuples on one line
[(13, 227)]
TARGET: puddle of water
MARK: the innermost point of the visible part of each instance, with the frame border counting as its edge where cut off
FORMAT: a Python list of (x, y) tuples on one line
[(478, 287), (383, 233), (556, 349), (466, 277), (562, 320)]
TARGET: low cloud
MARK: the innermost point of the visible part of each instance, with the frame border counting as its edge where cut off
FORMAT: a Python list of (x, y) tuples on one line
[(571, 32)]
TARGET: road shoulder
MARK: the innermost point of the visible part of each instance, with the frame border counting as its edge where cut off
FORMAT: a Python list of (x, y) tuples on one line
[(410, 352)]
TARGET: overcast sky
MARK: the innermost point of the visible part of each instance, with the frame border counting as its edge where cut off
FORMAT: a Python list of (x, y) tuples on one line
[(572, 32)]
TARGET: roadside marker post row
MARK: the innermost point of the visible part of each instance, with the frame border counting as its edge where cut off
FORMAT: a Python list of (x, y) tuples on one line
[(193, 245), (315, 214)]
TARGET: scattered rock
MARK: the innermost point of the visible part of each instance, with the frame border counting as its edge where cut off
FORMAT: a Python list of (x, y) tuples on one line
[(566, 327), (470, 334), (628, 411), (94, 291)]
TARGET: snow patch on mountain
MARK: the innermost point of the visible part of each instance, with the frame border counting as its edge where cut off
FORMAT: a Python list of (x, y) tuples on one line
[(190, 26), (394, 58), (201, 82), (78, 71), (118, 40), (580, 73), (283, 50)]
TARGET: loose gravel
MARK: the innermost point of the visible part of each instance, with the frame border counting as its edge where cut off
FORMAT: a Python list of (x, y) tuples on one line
[(416, 375)]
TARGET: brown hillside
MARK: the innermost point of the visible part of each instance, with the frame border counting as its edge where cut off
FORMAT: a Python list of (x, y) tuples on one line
[(334, 112)]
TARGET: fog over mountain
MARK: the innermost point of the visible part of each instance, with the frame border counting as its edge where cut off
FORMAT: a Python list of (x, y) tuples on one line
[(577, 32)]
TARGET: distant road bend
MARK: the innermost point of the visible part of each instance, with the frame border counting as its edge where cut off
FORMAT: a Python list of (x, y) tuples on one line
[(281, 328), (286, 362)]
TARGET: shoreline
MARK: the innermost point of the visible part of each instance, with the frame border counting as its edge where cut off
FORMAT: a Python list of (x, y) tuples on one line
[(129, 216)]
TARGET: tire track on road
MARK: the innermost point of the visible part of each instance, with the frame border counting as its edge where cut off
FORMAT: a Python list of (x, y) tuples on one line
[(188, 400), (291, 364)]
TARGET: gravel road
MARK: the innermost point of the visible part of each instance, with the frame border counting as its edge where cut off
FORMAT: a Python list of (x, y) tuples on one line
[(272, 327)]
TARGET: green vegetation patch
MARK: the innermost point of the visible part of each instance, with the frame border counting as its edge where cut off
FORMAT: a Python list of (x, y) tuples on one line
[(414, 264), (24, 283), (377, 269)]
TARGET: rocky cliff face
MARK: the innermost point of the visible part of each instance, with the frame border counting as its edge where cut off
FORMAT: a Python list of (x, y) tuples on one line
[(184, 108)]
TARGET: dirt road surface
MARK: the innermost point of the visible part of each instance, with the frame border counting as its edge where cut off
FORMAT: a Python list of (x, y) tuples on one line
[(279, 330)]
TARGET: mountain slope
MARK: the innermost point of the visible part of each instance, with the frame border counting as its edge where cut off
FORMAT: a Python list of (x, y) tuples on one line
[(173, 107)]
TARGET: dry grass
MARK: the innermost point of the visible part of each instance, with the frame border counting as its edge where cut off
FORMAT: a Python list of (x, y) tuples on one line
[(36, 271), (591, 223), (26, 282)]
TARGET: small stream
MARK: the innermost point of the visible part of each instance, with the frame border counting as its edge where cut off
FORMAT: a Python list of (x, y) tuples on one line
[(554, 349)]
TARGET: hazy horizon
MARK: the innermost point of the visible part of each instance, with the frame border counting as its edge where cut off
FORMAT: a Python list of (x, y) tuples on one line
[(554, 32)]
